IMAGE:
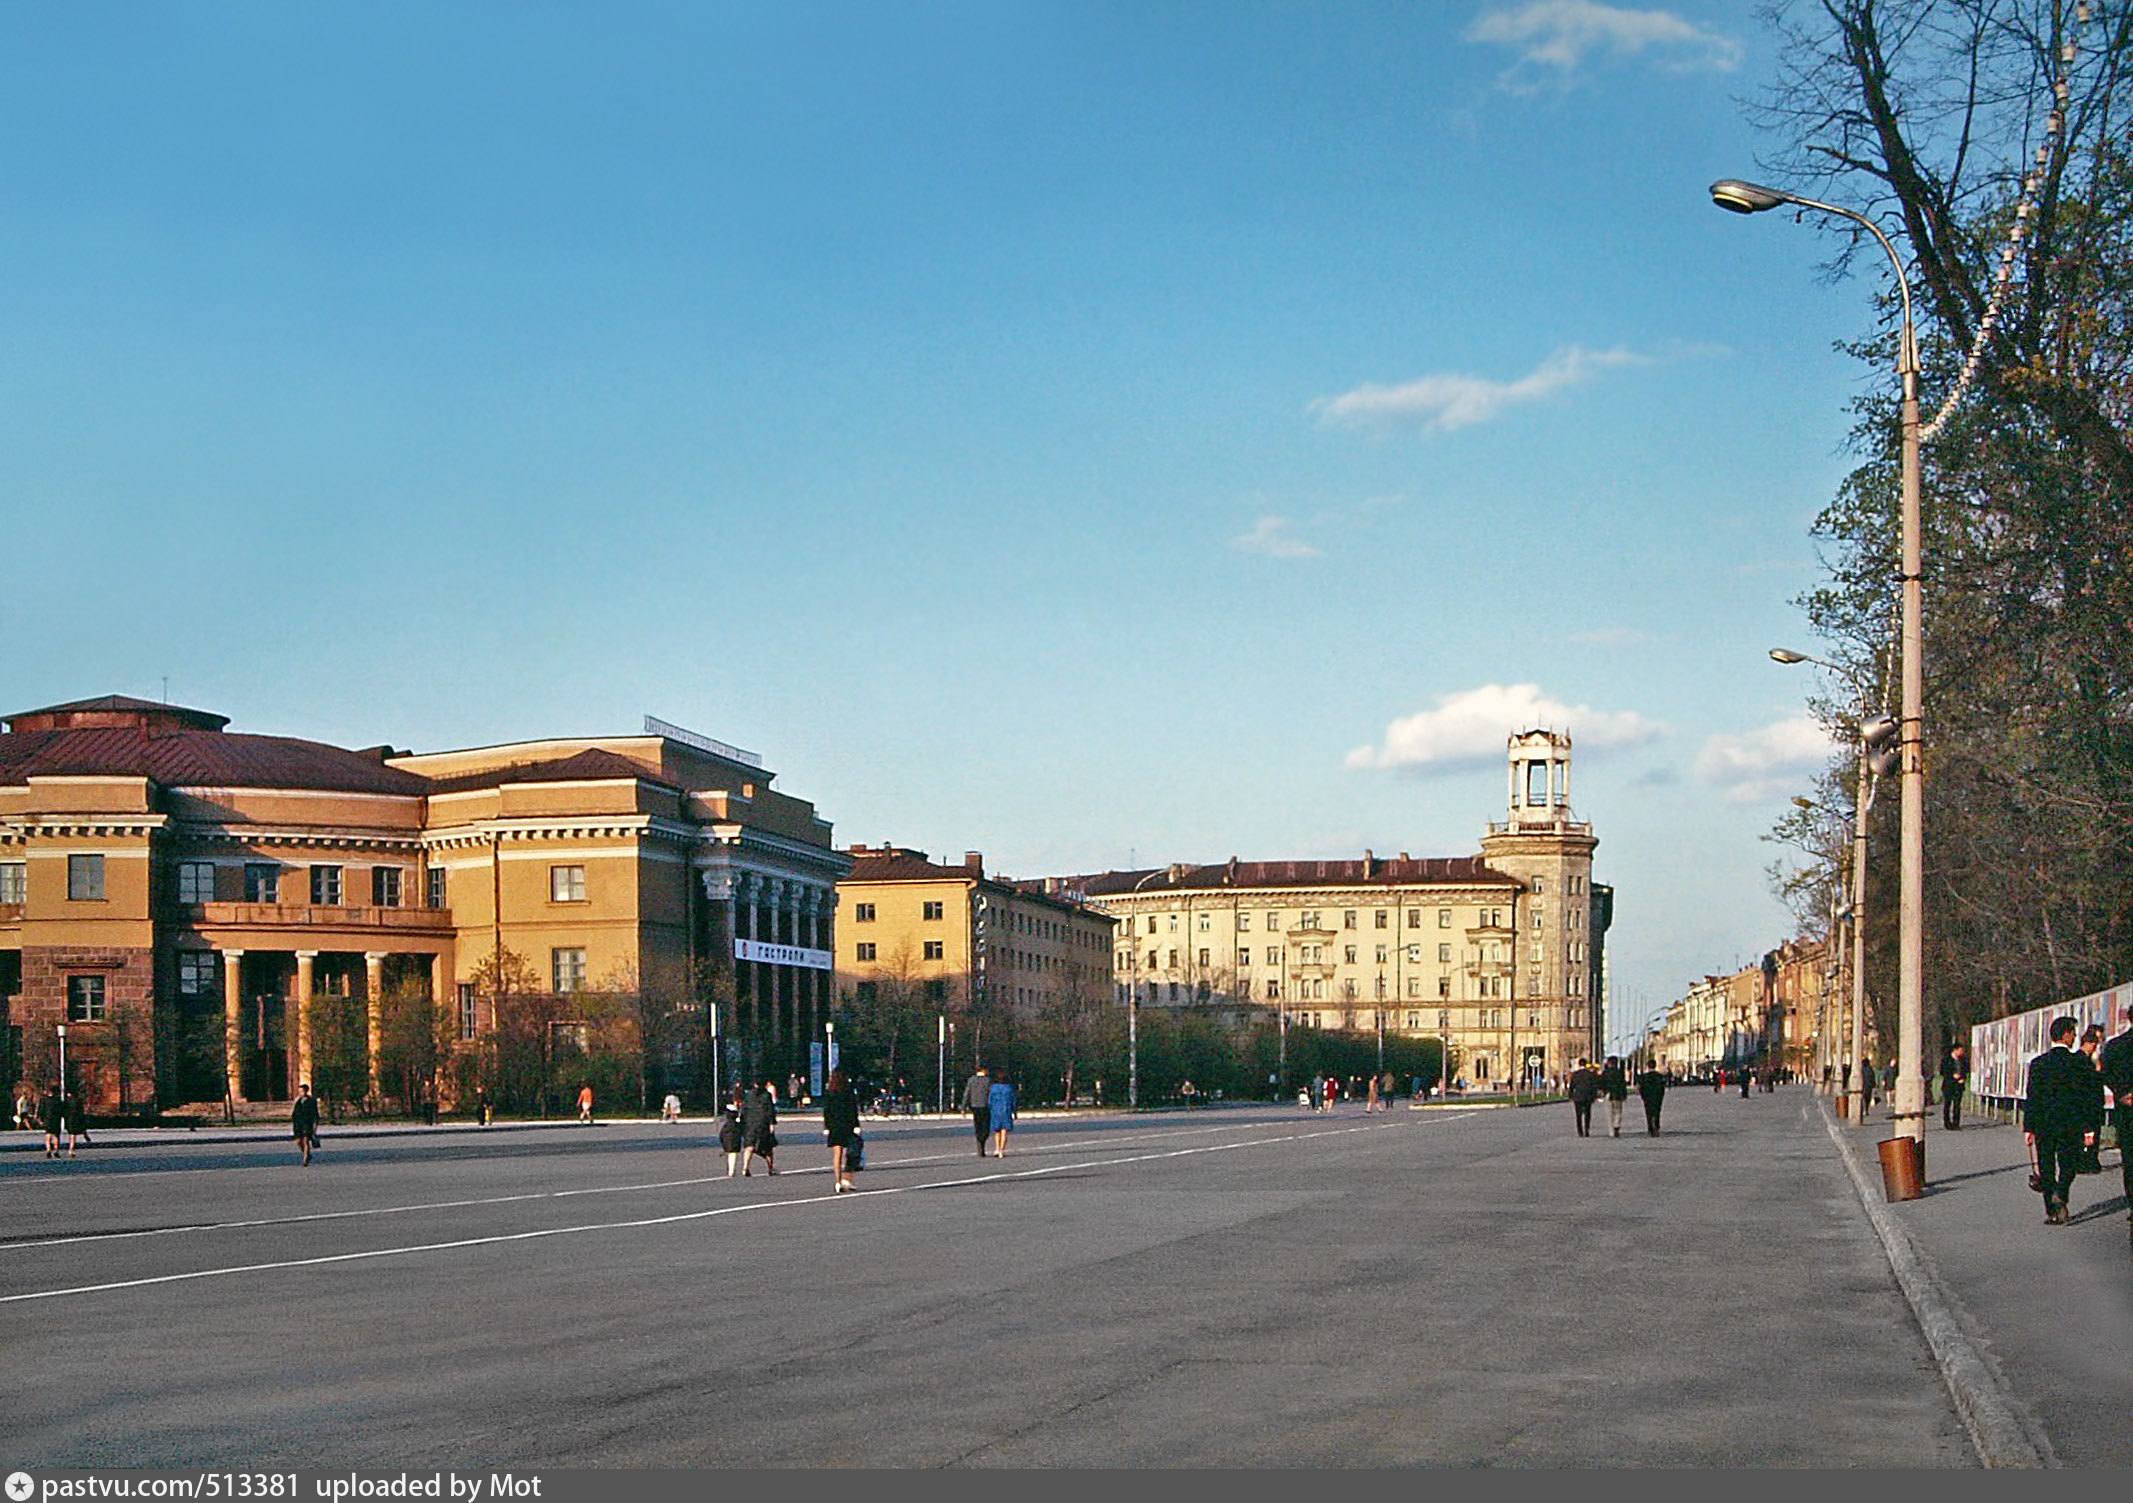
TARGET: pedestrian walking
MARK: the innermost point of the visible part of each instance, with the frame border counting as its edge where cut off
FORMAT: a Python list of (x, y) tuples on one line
[(730, 1140), (1385, 1091), (585, 1103), (25, 1110), (1370, 1097), (1000, 1107), (303, 1122), (2061, 1114), (1747, 1079), (759, 1138), (1651, 1090), (1866, 1088), (977, 1099), (840, 1126), (2090, 1159), (1954, 1081), (1614, 1085), (1888, 1084), (71, 1114), (1584, 1090), (2115, 1064), (54, 1113)]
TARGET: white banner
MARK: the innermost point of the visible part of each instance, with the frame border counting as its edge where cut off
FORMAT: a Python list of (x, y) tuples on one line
[(756, 950)]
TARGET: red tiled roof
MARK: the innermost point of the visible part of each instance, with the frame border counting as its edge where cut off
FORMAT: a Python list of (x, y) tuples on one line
[(590, 765), (199, 759), (1396, 872), (902, 866)]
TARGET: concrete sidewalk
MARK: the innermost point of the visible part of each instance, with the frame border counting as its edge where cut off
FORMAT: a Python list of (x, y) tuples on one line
[(2045, 1312)]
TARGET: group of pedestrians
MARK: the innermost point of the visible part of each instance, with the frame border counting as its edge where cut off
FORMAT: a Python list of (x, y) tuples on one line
[(2070, 1090), (990, 1098), (59, 1114), (1611, 1083)]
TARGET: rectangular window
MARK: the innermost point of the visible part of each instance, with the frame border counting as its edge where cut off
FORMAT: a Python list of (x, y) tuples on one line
[(1273, 922), (262, 882), (436, 889), (1173, 960), (1414, 918), (1381, 986), (1204, 954), (1244, 957), (1444, 986), (1540, 885), (468, 1019), (326, 886), (931, 912), (1273, 987), (1244, 923), (1537, 919), (1414, 954), (385, 887), (196, 973), (1384, 919), (1273, 955), (865, 951), (1384, 953), (1173, 923), (85, 999), (1348, 919), (862, 913), (85, 881), (1414, 1021), (568, 967), (935, 950), (196, 881), (1309, 919), (1444, 954), (1349, 952), (14, 882), (1203, 923), (1444, 918), (566, 884)]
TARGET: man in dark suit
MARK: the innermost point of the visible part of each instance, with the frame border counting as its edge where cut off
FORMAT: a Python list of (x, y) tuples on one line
[(1651, 1086), (2115, 1064), (1954, 1080), (2061, 1115), (1584, 1090)]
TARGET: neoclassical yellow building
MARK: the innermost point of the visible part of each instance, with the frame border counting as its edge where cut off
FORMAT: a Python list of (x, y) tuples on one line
[(1502, 955), (165, 881)]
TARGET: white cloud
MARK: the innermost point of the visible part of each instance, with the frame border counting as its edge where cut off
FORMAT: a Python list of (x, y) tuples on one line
[(1442, 403), (1765, 763), (1270, 538), (1553, 38), (1470, 728)]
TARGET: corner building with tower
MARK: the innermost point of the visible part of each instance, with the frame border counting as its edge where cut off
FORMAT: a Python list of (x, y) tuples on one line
[(1501, 955), (198, 915)]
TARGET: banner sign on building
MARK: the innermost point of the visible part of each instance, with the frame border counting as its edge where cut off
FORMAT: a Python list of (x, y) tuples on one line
[(766, 954)]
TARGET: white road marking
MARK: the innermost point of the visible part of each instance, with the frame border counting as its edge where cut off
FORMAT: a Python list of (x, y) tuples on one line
[(675, 1219), (498, 1200)]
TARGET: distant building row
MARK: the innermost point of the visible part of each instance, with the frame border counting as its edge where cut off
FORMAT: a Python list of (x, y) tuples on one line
[(190, 905)]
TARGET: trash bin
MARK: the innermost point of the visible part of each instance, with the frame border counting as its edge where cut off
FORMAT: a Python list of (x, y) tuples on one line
[(1903, 1168), (1844, 1107)]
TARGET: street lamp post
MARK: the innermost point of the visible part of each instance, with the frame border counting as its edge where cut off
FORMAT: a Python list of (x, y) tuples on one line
[(1909, 1113), (62, 1029), (1862, 805)]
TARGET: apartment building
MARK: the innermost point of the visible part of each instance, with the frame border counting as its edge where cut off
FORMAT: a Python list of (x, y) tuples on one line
[(1500, 954)]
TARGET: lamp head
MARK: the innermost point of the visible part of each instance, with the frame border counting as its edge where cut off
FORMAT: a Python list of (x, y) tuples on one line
[(1744, 198), (1787, 656)]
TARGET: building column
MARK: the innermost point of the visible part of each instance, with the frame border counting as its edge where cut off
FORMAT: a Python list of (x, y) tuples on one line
[(301, 1053), (374, 1012), (233, 1022)]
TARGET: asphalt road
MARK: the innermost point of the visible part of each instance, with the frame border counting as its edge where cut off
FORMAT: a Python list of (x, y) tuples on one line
[(1245, 1287)]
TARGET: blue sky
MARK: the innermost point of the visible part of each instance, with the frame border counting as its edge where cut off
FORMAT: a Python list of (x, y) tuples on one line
[(1087, 433)]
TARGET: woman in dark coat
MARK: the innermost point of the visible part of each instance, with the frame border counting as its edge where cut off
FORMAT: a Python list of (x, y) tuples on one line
[(54, 1113), (729, 1133), (840, 1125), (759, 1116)]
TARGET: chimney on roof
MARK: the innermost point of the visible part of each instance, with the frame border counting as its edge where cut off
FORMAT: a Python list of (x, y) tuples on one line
[(1177, 871), (974, 863), (1370, 865), (1404, 856), (1229, 872)]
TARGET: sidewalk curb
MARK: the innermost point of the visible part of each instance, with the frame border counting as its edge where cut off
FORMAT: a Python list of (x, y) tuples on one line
[(1997, 1431)]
